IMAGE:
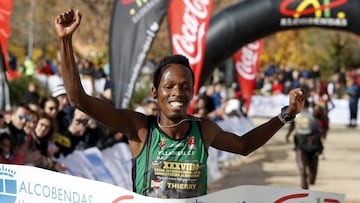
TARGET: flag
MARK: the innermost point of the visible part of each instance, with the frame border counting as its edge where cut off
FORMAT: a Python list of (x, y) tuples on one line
[(5, 12), (134, 25), (4, 87), (188, 24), (247, 61)]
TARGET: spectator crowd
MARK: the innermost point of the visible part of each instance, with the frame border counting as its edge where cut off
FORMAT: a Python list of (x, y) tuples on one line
[(43, 128)]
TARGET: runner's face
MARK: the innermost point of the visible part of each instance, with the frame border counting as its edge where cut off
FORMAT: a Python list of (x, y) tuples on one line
[(175, 91)]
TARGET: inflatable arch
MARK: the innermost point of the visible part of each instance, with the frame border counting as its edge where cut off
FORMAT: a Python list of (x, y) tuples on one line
[(250, 20)]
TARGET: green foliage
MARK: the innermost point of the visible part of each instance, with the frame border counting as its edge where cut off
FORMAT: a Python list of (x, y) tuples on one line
[(139, 95), (329, 49), (18, 87), (142, 91)]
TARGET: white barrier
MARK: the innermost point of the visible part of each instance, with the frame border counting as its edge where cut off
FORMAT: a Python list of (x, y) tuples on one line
[(112, 165), (27, 184), (269, 106)]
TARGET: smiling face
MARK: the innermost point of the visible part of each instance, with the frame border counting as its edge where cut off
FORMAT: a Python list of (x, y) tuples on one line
[(43, 127), (20, 117), (51, 108), (175, 91)]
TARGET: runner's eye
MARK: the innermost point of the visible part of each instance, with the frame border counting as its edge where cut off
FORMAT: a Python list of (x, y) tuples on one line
[(185, 87)]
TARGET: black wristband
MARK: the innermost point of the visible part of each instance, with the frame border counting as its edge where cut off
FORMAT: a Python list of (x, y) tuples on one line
[(285, 118)]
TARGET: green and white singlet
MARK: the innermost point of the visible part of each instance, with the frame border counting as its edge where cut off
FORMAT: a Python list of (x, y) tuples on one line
[(169, 168)]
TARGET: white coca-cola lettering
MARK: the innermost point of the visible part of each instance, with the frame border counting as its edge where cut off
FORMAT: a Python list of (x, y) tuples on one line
[(189, 41), (4, 18), (247, 64), (197, 7), (188, 48)]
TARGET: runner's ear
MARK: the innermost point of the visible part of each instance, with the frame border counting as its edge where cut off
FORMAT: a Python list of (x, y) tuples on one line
[(153, 92)]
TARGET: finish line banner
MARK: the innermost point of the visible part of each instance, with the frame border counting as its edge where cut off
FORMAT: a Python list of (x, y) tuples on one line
[(27, 184)]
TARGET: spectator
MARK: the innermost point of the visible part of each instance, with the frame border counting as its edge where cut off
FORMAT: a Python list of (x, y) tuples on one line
[(15, 128), (151, 107), (50, 105), (271, 69), (31, 94), (87, 68), (112, 138), (44, 67), (29, 67), (31, 156), (314, 74), (259, 80), (106, 94), (107, 69), (320, 114), (296, 81), (64, 111), (210, 107), (218, 97), (353, 90), (68, 140), (44, 132), (332, 86), (12, 62), (342, 76), (6, 153), (266, 89), (54, 66), (209, 101), (287, 74), (44, 143), (304, 73), (277, 87), (34, 106), (199, 112), (99, 72), (2, 123)]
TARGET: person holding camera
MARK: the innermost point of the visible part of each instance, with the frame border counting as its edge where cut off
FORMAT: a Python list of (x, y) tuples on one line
[(68, 140)]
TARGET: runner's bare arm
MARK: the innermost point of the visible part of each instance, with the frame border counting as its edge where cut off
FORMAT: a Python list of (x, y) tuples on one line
[(258, 136), (247, 143), (123, 120)]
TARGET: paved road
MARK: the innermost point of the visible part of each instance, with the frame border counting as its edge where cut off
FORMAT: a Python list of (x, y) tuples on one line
[(274, 165)]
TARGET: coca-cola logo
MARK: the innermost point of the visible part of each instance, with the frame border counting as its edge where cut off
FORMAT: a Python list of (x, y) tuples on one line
[(189, 41), (246, 66)]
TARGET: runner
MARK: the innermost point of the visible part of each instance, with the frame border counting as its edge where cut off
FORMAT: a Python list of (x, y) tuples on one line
[(308, 145), (169, 150)]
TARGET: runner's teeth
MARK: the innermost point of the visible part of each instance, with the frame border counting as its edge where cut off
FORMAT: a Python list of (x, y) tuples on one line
[(176, 104)]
